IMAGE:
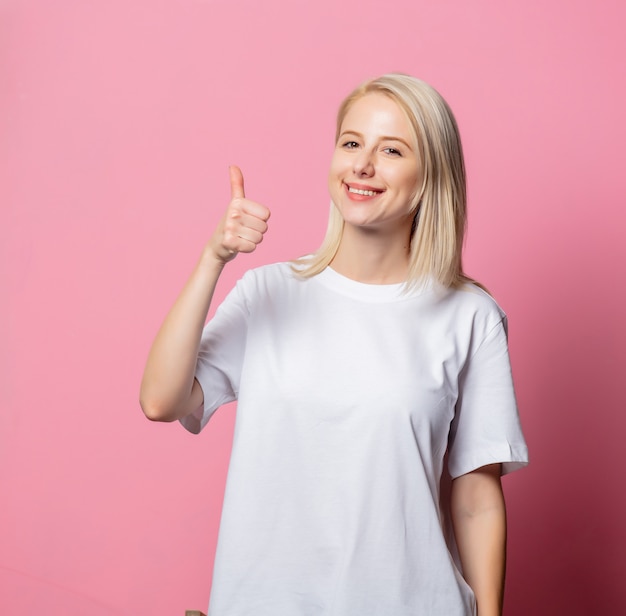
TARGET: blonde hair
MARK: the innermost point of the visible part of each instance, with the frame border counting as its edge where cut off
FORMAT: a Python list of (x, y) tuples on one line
[(440, 202)]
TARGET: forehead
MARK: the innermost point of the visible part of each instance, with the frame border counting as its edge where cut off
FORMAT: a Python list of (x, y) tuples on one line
[(376, 113)]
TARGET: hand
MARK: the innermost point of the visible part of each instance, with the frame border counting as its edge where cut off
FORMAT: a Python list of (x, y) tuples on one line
[(242, 226)]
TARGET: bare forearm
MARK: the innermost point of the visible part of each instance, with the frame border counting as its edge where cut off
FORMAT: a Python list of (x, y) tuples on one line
[(169, 374), (168, 389), (479, 517)]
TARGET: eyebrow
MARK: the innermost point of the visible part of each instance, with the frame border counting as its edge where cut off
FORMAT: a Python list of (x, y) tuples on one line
[(383, 138)]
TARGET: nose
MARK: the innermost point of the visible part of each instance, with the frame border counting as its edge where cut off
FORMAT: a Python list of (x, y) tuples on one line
[(364, 164)]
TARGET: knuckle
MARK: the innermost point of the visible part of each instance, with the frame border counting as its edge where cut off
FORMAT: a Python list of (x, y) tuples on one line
[(229, 242), (230, 227)]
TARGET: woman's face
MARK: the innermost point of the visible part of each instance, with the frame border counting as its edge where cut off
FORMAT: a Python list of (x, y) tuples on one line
[(375, 169)]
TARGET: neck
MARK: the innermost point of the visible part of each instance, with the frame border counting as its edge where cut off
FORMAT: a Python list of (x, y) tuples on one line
[(371, 257)]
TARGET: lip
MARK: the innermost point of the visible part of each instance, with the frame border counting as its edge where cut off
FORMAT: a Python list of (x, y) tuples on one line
[(356, 197), (363, 187)]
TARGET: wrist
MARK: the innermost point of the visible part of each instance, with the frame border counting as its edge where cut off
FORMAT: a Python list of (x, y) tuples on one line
[(210, 261)]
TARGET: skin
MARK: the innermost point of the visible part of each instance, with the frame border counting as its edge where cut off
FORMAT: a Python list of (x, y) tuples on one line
[(479, 520), (376, 151), (169, 390)]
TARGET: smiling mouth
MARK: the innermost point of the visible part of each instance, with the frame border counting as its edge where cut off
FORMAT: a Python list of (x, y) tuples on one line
[(365, 193)]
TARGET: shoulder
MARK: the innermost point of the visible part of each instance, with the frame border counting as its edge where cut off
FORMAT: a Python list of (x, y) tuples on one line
[(471, 297), (273, 280), (271, 274), (470, 311)]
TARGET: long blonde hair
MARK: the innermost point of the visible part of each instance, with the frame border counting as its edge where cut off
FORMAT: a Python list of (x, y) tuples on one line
[(440, 201)]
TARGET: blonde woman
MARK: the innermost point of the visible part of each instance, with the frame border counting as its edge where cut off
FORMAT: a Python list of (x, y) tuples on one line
[(364, 374)]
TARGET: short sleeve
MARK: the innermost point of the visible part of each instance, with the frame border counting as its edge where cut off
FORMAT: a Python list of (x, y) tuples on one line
[(220, 357), (486, 428)]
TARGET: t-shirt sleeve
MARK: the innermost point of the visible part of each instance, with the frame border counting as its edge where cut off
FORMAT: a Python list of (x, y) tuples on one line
[(486, 427), (220, 357)]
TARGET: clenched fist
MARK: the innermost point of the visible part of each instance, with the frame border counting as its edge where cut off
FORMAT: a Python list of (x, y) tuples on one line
[(242, 226)]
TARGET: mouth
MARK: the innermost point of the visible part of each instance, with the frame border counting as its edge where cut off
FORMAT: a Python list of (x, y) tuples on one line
[(363, 191)]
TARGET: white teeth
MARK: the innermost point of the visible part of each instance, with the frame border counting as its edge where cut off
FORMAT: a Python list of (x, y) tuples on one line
[(358, 191)]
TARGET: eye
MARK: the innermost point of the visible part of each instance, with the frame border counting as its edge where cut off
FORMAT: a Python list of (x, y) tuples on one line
[(350, 145), (392, 152)]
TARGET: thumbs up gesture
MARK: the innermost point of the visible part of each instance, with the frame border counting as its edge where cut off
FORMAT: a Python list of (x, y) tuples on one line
[(242, 226)]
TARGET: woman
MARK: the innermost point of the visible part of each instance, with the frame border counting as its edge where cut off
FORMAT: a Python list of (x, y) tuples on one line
[(357, 370)]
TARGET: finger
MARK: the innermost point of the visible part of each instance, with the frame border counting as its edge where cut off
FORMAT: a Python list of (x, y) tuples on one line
[(256, 209), (242, 240), (245, 246), (244, 226), (252, 236), (236, 182), (252, 222)]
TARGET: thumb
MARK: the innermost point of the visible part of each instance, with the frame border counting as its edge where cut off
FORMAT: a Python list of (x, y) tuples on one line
[(236, 182)]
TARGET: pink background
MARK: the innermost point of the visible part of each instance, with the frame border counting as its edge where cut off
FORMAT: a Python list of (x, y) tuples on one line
[(118, 120)]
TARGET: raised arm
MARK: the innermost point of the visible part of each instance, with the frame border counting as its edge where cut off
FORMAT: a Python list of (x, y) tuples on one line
[(479, 519), (169, 390)]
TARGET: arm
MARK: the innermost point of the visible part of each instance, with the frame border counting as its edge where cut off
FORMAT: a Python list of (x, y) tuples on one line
[(169, 390), (479, 519)]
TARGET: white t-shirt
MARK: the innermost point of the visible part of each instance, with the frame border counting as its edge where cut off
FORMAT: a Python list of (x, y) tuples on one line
[(349, 396)]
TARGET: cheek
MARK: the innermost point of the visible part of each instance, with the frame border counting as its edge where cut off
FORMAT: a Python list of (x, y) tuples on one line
[(409, 181), (337, 165), (333, 180), (337, 171)]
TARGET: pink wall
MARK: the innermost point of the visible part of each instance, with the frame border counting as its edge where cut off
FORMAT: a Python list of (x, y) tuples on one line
[(118, 120)]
